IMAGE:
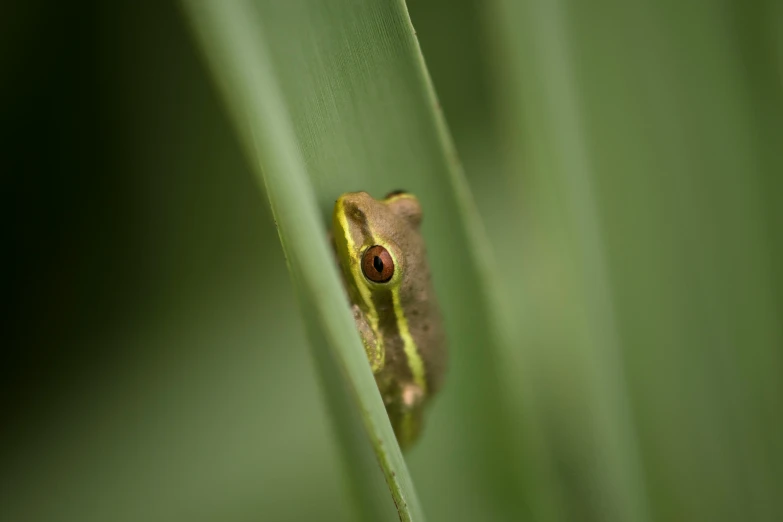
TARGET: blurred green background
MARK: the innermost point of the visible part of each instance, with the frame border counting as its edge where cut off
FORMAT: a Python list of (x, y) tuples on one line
[(625, 158)]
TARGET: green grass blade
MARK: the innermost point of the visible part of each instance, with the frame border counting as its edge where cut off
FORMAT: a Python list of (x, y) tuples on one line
[(567, 250), (360, 114), (234, 44), (642, 161)]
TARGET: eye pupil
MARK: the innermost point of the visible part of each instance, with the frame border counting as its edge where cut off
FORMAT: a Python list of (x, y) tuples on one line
[(377, 264)]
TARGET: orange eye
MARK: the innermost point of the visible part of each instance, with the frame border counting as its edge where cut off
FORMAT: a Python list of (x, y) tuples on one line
[(377, 264)]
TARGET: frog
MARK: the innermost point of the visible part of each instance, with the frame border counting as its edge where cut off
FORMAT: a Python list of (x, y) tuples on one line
[(382, 257)]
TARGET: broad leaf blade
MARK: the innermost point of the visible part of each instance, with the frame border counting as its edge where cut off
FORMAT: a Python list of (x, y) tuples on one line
[(234, 44), (362, 115)]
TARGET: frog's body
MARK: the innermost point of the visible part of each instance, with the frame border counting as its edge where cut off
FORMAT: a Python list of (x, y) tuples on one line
[(383, 261)]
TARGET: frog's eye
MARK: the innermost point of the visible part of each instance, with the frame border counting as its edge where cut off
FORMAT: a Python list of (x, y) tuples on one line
[(396, 193), (405, 205), (377, 264)]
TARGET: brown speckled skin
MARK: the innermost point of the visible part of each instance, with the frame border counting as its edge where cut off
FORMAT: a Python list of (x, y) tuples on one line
[(395, 223)]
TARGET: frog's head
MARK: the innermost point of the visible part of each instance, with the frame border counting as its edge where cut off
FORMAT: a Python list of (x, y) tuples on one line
[(378, 244)]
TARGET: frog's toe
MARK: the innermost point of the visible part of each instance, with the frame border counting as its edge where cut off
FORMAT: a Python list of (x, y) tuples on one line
[(412, 395)]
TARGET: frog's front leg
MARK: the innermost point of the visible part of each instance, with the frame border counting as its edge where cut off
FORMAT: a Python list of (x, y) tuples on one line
[(373, 345), (408, 414)]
